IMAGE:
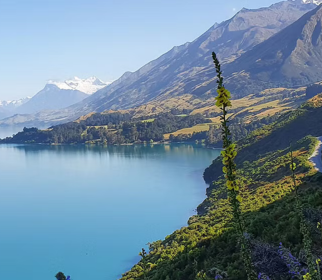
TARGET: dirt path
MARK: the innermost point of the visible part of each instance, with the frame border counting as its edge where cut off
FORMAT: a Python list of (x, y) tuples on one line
[(316, 157)]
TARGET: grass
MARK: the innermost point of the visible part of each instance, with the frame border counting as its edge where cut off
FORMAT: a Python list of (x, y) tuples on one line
[(217, 120), (85, 117), (98, 126), (148, 120), (205, 105), (189, 130)]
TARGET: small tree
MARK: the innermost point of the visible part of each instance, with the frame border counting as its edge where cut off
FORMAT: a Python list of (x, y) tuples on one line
[(144, 264), (60, 276)]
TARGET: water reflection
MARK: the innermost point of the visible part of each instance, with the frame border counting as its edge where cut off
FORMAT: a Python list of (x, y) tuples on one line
[(128, 151)]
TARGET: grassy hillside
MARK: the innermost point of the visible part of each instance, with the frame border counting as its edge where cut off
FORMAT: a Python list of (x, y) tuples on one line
[(249, 109), (208, 243), (285, 98), (290, 127)]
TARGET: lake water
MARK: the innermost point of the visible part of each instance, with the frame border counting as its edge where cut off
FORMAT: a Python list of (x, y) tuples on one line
[(88, 211)]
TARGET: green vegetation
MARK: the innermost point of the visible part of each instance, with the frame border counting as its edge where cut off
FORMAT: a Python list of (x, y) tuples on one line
[(208, 243), (270, 202), (113, 128), (212, 136), (189, 131), (290, 127), (60, 276), (206, 248)]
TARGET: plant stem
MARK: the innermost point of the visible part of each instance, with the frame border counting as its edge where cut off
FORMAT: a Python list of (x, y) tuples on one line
[(229, 154)]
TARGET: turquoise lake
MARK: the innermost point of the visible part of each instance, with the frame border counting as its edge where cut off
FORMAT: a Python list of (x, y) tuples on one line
[(88, 211)]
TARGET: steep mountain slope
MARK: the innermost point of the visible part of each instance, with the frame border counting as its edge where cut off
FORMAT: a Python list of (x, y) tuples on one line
[(58, 95), (290, 58), (174, 73), (293, 57)]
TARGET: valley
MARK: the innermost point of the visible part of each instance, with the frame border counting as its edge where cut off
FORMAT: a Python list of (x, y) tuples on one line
[(228, 124)]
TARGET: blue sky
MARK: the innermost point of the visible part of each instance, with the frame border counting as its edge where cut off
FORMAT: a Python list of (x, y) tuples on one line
[(58, 39)]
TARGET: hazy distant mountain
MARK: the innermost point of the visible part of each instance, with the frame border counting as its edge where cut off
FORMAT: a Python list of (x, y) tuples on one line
[(13, 104), (188, 68), (58, 95), (8, 107)]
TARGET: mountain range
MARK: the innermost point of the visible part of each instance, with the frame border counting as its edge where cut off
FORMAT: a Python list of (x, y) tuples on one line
[(291, 58), (260, 49), (55, 95), (180, 71), (58, 95), (6, 107)]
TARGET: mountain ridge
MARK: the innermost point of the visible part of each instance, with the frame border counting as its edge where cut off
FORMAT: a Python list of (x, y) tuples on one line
[(295, 62), (184, 69)]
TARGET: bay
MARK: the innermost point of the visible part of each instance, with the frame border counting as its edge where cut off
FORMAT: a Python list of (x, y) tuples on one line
[(88, 211)]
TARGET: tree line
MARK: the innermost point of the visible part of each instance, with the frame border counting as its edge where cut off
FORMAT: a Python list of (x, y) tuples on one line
[(114, 128)]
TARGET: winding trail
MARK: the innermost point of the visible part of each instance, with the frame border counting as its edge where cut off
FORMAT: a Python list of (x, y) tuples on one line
[(316, 157)]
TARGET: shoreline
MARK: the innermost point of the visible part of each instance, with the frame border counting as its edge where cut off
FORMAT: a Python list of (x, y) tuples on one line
[(107, 145), (316, 157)]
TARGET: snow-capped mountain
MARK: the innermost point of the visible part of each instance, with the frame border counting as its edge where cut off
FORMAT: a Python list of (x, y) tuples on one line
[(7, 108), (12, 104), (58, 95), (316, 2), (87, 86), (51, 97)]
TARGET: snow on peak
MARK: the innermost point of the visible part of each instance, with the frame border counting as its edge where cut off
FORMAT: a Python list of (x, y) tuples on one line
[(87, 86), (316, 2), (11, 104)]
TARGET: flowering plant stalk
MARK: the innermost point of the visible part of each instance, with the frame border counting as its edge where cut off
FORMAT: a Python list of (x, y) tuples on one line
[(229, 153)]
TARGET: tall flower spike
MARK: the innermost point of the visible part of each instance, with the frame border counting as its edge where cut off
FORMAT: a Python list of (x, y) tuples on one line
[(228, 155)]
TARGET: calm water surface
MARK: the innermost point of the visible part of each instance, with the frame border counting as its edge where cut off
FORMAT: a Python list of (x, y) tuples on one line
[(88, 211)]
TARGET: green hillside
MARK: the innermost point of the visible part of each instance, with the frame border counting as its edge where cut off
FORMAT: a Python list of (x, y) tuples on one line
[(206, 248), (290, 127)]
